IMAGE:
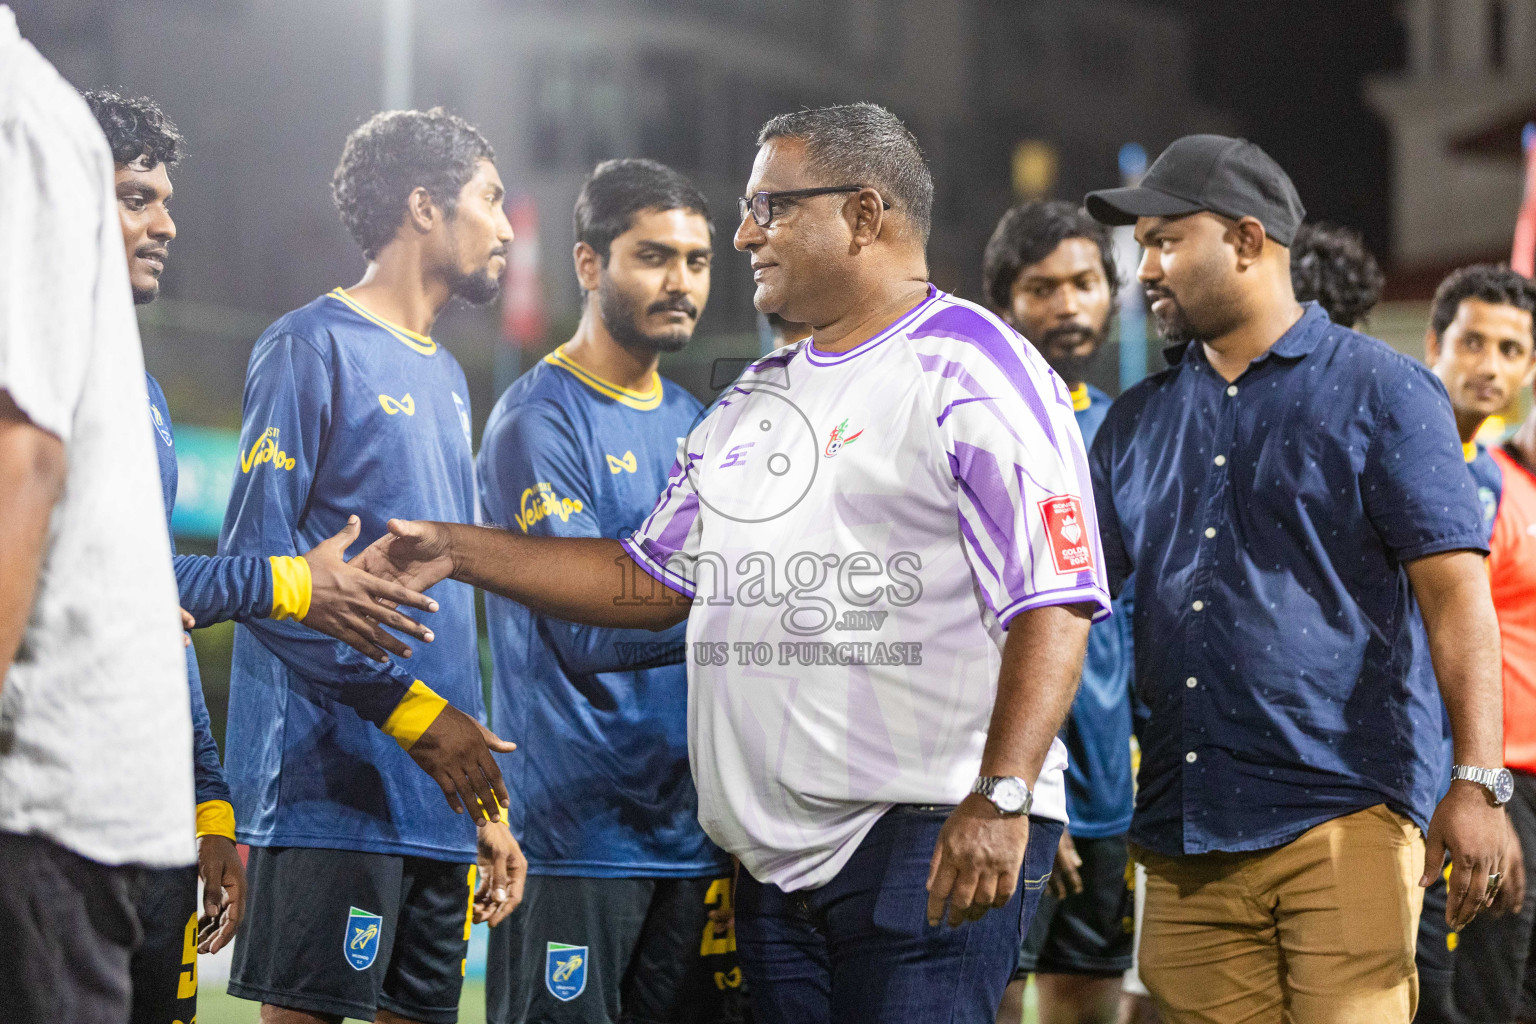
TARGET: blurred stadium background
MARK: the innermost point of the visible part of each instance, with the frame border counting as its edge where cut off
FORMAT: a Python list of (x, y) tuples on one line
[(1400, 118)]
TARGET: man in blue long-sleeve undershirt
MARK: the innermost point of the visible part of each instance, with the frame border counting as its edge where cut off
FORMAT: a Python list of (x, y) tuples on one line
[(620, 872), (363, 881), (318, 589)]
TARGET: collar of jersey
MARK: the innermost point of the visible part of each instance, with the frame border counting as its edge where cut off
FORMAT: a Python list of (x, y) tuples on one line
[(416, 342), (1081, 399), (819, 358), (642, 400)]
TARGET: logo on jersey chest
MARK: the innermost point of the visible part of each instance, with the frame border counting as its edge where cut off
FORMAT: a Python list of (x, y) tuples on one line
[(1070, 551), (362, 942), (840, 438), (266, 450), (565, 970), (540, 501), (625, 465), (406, 405)]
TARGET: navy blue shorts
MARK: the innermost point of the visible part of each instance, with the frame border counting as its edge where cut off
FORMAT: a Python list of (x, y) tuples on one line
[(1091, 932), (164, 967), (860, 949), (349, 933)]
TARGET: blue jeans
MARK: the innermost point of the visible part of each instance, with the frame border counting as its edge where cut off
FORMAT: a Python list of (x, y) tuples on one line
[(859, 949)]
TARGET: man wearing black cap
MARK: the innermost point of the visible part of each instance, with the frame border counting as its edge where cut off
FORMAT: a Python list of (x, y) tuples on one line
[(1307, 545)]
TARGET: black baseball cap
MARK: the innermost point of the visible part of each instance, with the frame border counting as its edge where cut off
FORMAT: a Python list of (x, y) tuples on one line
[(1232, 177)]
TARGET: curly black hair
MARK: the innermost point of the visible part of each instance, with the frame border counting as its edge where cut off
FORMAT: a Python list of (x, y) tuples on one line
[(1492, 282), (136, 128), (1027, 234), (392, 154), (1332, 265)]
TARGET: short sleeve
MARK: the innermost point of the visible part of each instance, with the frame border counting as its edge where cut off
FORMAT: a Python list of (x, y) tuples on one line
[(53, 201), (1417, 490), (666, 545), (1026, 510)]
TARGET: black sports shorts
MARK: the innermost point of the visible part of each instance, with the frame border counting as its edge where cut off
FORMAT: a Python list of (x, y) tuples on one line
[(343, 932), (598, 950), (164, 967), (1091, 932), (1487, 973)]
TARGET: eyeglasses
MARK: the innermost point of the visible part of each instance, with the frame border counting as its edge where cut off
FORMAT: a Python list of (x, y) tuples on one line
[(760, 204)]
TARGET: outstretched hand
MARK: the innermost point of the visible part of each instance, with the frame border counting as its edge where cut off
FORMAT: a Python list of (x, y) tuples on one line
[(350, 604), (413, 553), (456, 751)]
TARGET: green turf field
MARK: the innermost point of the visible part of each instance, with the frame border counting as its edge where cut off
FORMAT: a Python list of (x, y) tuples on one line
[(214, 1007)]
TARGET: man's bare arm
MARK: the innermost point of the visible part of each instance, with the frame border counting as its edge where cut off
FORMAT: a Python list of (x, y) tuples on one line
[(32, 469), (980, 853), (1453, 594), (589, 580)]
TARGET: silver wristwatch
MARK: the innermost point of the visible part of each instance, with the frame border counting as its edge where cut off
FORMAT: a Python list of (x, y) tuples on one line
[(1499, 783), (1008, 793)]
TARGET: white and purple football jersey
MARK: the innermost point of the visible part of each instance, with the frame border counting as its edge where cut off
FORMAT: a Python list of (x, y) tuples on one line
[(857, 530)]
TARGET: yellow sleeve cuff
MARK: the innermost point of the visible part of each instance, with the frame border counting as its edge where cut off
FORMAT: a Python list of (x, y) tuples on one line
[(417, 710), (216, 818), (292, 586)]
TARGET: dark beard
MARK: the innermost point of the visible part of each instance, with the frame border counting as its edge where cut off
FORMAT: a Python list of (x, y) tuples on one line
[(144, 296), (1070, 366), (1175, 328), (477, 289), (622, 315)]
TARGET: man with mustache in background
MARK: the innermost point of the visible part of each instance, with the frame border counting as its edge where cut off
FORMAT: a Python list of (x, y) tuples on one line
[(622, 880), (1049, 270)]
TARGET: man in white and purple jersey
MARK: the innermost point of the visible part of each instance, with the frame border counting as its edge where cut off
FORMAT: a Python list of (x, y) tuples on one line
[(884, 543)]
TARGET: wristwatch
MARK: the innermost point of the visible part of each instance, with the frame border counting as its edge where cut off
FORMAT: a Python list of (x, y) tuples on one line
[(1008, 793), (1499, 783)]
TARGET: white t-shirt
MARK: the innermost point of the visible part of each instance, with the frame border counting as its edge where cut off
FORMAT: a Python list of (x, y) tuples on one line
[(95, 727), (857, 530)]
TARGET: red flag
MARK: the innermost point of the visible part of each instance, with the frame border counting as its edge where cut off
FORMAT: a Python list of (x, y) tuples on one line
[(1523, 256), (523, 321)]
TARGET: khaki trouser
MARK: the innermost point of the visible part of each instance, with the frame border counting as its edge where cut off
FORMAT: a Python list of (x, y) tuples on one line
[(1319, 930)]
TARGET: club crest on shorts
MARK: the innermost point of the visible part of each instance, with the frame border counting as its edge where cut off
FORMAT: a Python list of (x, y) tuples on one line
[(565, 970), (362, 942)]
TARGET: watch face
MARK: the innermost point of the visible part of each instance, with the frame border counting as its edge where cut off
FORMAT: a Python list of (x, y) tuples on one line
[(1503, 785), (1009, 795)]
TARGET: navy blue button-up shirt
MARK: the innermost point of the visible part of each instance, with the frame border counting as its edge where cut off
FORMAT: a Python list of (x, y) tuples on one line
[(1278, 643)]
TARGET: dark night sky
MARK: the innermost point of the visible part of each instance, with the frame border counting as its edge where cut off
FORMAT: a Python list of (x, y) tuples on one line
[(1292, 73)]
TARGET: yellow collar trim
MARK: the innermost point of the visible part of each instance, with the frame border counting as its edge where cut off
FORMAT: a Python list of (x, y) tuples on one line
[(642, 400), (418, 342), (1469, 451), (1080, 398)]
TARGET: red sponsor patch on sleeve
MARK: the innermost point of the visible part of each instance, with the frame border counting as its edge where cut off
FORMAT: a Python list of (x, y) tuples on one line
[(1067, 534)]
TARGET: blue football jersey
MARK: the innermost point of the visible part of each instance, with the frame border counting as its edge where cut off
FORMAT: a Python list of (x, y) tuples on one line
[(1490, 482), (1097, 733), (208, 776), (600, 785), (345, 413)]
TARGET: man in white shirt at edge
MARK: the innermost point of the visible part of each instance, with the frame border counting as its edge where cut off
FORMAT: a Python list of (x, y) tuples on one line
[(95, 730), (883, 540)]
